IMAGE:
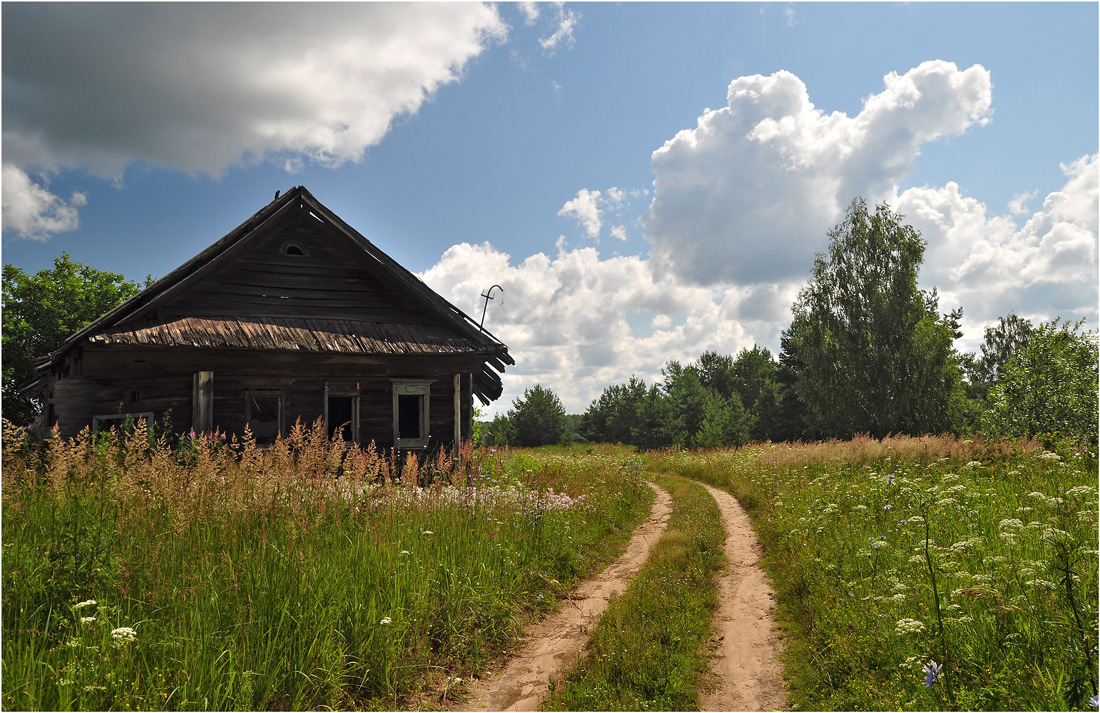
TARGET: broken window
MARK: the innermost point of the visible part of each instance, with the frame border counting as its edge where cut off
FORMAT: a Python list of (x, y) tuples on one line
[(264, 415), (342, 412), (410, 413)]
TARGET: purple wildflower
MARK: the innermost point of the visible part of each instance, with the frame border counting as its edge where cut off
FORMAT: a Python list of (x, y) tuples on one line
[(931, 672)]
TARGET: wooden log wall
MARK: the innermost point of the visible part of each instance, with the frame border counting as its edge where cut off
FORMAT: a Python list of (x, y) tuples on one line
[(162, 382)]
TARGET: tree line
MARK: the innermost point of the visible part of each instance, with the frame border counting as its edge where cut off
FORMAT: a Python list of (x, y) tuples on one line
[(867, 352)]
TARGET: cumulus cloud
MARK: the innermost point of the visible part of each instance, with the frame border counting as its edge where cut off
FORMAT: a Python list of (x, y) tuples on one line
[(750, 193), (33, 212), (591, 206), (741, 204), (585, 208), (990, 266), (567, 318), (200, 87)]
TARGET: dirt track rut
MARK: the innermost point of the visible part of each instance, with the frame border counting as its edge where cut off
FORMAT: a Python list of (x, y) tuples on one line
[(554, 643), (748, 672)]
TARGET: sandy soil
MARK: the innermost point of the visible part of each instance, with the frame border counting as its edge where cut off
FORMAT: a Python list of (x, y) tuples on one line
[(747, 671), (554, 643)]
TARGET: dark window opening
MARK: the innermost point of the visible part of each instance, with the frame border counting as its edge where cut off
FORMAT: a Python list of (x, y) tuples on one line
[(294, 250), (408, 416), (340, 414), (135, 396), (264, 413)]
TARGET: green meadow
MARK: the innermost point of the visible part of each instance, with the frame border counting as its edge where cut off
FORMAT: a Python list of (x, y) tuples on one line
[(910, 573), (222, 577), (925, 574)]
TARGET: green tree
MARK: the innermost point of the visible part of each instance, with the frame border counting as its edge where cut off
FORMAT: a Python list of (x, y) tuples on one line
[(1048, 388), (756, 381), (657, 425), (41, 311), (537, 418), (1002, 341), (497, 432), (611, 418), (873, 354)]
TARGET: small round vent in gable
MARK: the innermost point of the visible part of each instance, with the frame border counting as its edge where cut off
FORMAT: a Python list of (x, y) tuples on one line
[(294, 250)]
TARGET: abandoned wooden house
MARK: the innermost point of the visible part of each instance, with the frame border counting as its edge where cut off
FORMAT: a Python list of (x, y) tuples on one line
[(292, 315)]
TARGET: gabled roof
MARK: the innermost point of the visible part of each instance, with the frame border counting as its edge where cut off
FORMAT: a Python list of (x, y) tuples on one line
[(138, 321)]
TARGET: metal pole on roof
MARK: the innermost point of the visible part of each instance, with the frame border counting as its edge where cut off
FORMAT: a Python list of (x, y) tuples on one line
[(486, 294)]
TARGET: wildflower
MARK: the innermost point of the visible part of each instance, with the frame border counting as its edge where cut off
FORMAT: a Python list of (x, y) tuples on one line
[(904, 521), (386, 621), (427, 533), (85, 603), (1094, 702), (123, 634), (908, 626), (406, 552), (931, 672), (87, 619), (890, 479), (886, 507)]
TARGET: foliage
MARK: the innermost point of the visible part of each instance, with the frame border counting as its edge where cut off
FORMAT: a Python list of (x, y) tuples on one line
[(613, 417), (40, 311), (1047, 388), (849, 531), (872, 354), (648, 650), (497, 432), (656, 426), (537, 418), (224, 577), (755, 376), (1001, 342)]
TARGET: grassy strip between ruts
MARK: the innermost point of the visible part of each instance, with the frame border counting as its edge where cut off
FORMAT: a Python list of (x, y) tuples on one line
[(221, 577), (648, 650), (925, 573)]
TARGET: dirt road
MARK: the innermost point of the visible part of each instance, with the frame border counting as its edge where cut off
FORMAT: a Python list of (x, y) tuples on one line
[(555, 642), (749, 675)]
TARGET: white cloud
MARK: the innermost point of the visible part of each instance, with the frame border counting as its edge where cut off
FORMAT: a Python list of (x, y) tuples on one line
[(201, 87), (991, 267), (750, 194), (1018, 204), (567, 21), (585, 208), (530, 12), (31, 211), (754, 189), (567, 319)]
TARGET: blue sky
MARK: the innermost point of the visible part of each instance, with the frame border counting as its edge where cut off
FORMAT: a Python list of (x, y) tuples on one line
[(566, 153)]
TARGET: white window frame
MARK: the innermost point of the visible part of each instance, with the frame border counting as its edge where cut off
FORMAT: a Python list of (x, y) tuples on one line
[(412, 387)]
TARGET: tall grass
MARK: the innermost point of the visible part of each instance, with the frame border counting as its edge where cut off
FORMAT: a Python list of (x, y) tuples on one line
[(648, 650), (925, 573), (220, 576)]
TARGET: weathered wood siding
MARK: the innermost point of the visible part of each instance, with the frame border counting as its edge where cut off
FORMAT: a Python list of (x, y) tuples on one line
[(112, 381), (331, 280)]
